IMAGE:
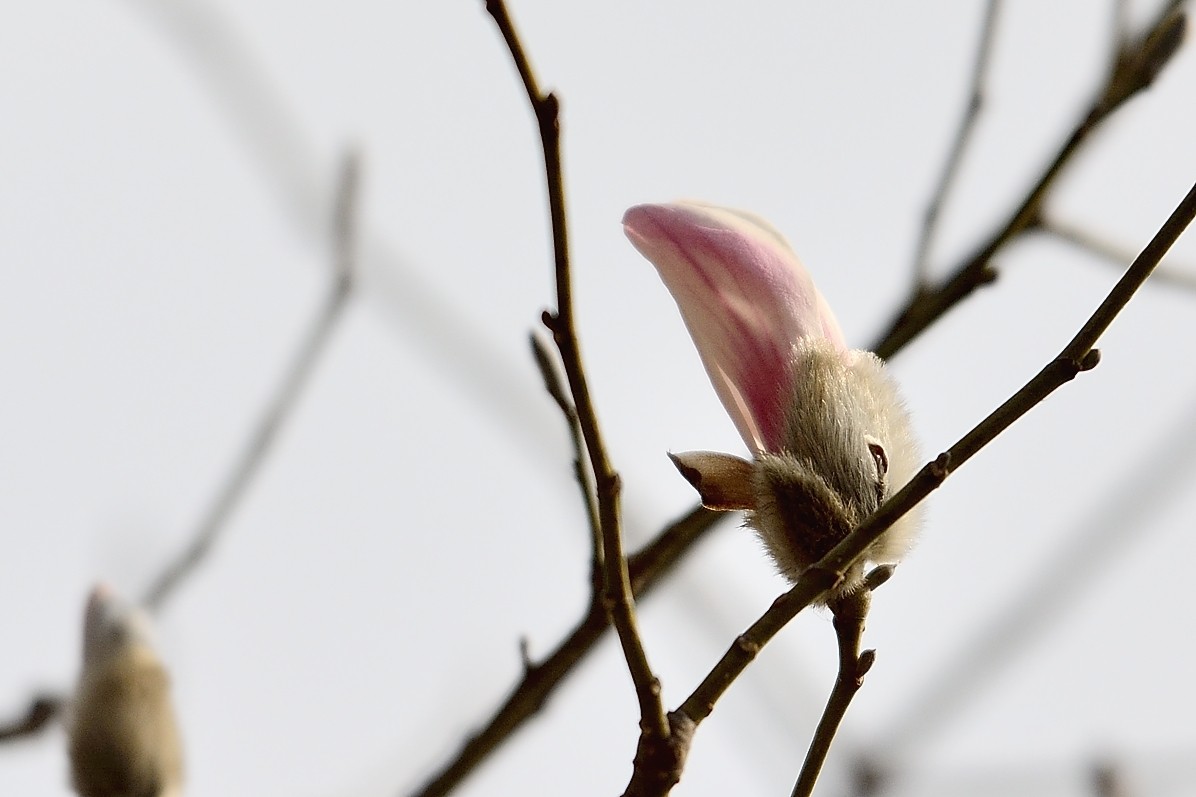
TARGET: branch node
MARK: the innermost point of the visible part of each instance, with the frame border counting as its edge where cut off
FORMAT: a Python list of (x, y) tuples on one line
[(548, 110), (1090, 360), (748, 646), (549, 319), (660, 760)]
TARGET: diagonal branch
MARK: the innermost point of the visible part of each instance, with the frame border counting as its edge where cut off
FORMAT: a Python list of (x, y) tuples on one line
[(617, 595), (277, 412), (1137, 66)]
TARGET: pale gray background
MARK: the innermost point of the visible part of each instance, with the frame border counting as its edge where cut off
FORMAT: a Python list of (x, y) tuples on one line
[(166, 174)]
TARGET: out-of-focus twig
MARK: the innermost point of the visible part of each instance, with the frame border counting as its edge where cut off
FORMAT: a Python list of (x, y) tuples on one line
[(1089, 242), (294, 168), (955, 155), (1137, 66), (1076, 357), (277, 412), (43, 708)]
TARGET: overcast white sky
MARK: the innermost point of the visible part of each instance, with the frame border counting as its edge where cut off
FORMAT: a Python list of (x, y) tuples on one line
[(166, 177)]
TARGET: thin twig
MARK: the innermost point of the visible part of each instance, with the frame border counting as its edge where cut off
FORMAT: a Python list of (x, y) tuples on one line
[(1115, 255), (1137, 67), (617, 585), (581, 470), (277, 412), (850, 612), (647, 567), (37, 716), (963, 137), (1077, 356)]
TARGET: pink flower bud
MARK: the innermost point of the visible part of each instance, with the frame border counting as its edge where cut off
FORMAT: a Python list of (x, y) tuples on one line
[(745, 298), (830, 437)]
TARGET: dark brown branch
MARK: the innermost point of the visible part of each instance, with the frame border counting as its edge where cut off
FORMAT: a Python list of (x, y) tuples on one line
[(617, 596), (962, 138), (647, 568), (1136, 68), (850, 612), (278, 411), (1077, 356)]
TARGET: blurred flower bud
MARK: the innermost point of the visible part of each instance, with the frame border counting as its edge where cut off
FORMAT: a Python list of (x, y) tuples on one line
[(123, 738)]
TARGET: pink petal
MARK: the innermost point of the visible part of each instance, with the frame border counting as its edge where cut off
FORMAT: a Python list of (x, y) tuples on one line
[(746, 300)]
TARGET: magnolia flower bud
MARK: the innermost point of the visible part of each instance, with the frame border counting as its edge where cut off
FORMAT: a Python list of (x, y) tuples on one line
[(829, 435), (123, 737)]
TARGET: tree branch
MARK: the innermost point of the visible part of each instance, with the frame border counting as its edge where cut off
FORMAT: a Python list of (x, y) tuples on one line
[(277, 412), (617, 595), (1137, 66)]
